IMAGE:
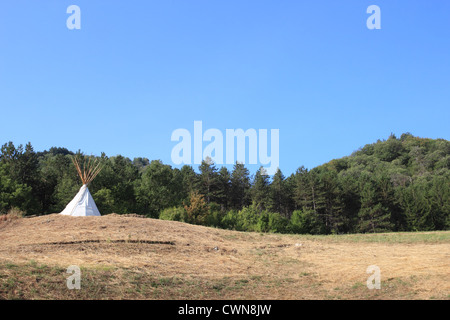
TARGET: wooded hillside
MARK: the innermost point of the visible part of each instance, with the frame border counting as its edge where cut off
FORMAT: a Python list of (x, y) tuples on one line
[(398, 184)]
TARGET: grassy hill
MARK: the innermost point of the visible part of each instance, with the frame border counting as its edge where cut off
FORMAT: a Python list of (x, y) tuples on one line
[(130, 257)]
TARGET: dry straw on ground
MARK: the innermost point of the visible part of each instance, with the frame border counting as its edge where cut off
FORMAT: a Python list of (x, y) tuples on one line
[(277, 266)]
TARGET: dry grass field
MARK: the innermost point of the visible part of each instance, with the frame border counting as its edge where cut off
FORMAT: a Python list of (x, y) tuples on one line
[(130, 257)]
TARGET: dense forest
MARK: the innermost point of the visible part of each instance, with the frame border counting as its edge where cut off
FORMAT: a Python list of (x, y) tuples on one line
[(398, 184)]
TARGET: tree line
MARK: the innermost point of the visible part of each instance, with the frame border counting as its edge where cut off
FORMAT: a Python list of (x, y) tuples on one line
[(398, 184)]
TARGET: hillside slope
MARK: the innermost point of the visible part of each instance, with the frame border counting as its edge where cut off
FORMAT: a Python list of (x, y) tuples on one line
[(125, 252)]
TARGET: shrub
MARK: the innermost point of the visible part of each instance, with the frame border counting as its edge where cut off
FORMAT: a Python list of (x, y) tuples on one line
[(306, 222), (15, 213), (229, 220), (215, 215), (272, 222), (197, 211), (12, 214), (174, 214), (104, 200), (248, 219)]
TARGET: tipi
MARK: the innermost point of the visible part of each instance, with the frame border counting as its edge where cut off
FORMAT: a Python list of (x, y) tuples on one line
[(83, 204)]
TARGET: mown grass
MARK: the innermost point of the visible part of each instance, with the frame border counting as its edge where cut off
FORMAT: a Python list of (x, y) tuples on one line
[(34, 281), (392, 288), (39, 281)]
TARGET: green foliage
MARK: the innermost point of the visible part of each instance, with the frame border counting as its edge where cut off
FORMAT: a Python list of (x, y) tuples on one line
[(248, 219), (208, 180), (157, 189), (223, 195), (20, 175), (104, 200), (373, 216), (12, 193), (53, 167), (392, 185), (240, 187), (252, 218), (279, 194), (260, 190), (230, 220), (174, 214), (215, 215), (425, 203), (306, 222), (65, 190), (389, 150), (272, 222), (119, 175)]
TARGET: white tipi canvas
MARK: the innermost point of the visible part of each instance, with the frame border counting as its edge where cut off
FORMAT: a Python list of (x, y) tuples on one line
[(82, 205)]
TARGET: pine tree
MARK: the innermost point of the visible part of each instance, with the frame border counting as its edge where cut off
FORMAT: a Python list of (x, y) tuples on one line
[(209, 180), (306, 191), (240, 186), (189, 180), (278, 194), (329, 197), (224, 189), (260, 189), (373, 216)]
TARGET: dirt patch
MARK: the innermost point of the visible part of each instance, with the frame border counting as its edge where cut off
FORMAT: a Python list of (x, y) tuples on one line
[(108, 241)]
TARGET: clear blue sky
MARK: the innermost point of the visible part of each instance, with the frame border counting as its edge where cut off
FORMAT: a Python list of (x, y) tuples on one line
[(138, 70)]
